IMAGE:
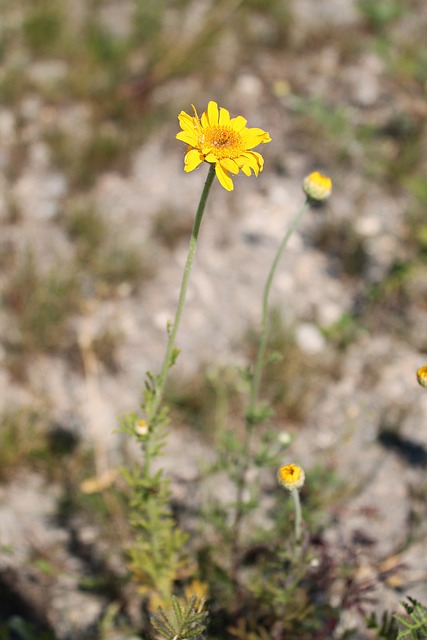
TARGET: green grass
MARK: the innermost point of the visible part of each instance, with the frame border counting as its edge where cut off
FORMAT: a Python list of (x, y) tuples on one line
[(348, 328), (23, 440), (13, 85), (380, 14), (40, 305), (343, 245), (43, 27), (291, 378), (105, 258)]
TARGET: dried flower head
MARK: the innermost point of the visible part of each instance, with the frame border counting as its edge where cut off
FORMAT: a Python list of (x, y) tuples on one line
[(422, 376), (291, 477), (317, 187), (223, 141)]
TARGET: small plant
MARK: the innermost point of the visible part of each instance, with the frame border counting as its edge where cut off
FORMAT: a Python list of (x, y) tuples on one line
[(242, 456), (158, 556), (261, 555), (386, 628), (413, 626), (186, 620)]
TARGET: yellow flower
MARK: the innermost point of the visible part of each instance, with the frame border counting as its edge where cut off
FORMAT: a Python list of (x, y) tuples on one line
[(291, 477), (422, 376), (317, 187), (223, 141)]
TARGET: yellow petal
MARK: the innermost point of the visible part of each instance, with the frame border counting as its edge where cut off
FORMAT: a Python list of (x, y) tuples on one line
[(224, 116), (229, 165), (223, 177), (238, 123), (188, 137), (246, 170), (189, 123), (213, 115), (253, 137), (192, 160), (259, 158), (204, 122), (185, 120), (251, 160)]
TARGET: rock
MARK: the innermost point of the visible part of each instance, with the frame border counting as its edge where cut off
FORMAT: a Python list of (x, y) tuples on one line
[(309, 338)]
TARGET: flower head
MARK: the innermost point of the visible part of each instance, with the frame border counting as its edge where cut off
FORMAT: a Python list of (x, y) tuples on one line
[(226, 142), (141, 428), (422, 376), (291, 477), (317, 187)]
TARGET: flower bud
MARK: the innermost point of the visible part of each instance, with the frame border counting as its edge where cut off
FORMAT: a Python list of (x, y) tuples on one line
[(317, 187), (291, 477), (141, 428), (422, 376)]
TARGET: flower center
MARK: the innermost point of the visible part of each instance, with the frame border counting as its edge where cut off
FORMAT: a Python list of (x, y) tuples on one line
[(223, 142)]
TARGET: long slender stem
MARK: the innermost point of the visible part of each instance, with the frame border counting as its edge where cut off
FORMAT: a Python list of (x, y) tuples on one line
[(169, 354), (265, 327), (251, 418)]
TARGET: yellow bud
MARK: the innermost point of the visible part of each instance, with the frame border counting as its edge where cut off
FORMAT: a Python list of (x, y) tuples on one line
[(422, 376), (291, 477), (317, 187)]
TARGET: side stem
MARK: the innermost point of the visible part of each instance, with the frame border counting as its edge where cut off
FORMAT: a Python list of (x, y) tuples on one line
[(251, 414), (265, 327)]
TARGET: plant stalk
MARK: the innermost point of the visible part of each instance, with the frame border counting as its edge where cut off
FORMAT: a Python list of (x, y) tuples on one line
[(265, 326), (251, 414), (169, 354), (298, 516)]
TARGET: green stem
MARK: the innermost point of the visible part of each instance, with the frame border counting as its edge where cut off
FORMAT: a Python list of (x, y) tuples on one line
[(298, 516), (265, 327), (251, 417), (169, 355)]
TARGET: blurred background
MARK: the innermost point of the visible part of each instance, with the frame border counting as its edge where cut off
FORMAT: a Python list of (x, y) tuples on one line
[(96, 212)]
